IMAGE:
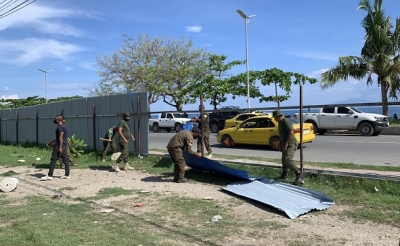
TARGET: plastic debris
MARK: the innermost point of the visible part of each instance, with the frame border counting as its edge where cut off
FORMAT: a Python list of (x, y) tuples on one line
[(138, 205), (107, 210), (216, 218)]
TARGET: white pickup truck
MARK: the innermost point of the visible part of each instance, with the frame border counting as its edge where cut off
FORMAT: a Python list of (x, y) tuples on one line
[(168, 121), (345, 118)]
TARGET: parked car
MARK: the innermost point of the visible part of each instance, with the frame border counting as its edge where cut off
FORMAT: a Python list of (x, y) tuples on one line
[(217, 118), (345, 118), (262, 130), (233, 122), (168, 121)]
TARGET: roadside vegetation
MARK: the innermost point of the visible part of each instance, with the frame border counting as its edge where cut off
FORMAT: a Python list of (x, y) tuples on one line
[(169, 216), (394, 122)]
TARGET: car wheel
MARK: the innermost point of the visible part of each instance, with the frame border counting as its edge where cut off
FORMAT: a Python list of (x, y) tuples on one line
[(275, 143), (376, 133), (366, 129), (156, 128), (227, 141), (214, 127), (315, 127), (168, 129), (178, 127)]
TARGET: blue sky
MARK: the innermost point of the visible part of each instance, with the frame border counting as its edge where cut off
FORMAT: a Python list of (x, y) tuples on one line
[(298, 36)]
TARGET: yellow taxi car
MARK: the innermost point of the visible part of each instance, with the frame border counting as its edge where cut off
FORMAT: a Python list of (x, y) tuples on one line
[(262, 130), (240, 118)]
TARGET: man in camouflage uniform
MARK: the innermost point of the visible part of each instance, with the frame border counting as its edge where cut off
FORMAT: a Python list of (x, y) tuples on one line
[(205, 124), (182, 141), (124, 135), (288, 146), (109, 142)]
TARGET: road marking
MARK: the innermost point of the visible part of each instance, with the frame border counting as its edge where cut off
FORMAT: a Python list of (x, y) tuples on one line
[(365, 142)]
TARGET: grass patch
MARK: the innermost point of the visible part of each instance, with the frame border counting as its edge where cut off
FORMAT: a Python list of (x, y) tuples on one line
[(170, 219), (8, 174), (111, 192)]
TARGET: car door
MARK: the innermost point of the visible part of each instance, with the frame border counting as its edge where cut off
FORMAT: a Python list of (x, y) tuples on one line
[(245, 132), (264, 131), (169, 120), (327, 118), (237, 120), (344, 118)]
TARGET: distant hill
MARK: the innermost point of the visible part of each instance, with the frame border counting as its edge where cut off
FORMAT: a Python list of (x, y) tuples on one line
[(354, 100)]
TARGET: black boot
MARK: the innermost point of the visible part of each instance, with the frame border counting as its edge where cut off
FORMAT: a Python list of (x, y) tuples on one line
[(299, 178), (284, 175)]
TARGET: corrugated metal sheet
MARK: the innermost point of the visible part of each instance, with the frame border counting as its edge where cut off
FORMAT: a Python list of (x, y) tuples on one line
[(79, 116), (206, 164), (292, 200)]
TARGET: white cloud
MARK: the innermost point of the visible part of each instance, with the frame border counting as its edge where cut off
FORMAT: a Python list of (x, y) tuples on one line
[(45, 19), (195, 29), (317, 74), (29, 50), (314, 56), (9, 97), (88, 65)]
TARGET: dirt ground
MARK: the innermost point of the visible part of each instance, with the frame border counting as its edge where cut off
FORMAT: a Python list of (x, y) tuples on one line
[(315, 228)]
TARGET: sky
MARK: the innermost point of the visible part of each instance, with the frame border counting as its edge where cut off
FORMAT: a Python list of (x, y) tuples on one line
[(65, 37)]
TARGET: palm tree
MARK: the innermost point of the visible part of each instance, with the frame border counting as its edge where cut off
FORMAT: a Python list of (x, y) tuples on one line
[(379, 56)]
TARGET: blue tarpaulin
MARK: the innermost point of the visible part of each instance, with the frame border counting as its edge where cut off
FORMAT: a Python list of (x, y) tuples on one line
[(206, 164)]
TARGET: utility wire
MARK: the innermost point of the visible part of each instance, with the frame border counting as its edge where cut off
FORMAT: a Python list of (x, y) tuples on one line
[(14, 9)]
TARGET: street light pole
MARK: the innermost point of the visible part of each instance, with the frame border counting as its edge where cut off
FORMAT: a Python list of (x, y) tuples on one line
[(45, 78), (246, 19)]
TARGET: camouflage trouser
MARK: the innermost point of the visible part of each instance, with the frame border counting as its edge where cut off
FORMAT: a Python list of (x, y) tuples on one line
[(206, 143), (287, 158), (71, 160), (124, 151), (107, 145), (179, 162)]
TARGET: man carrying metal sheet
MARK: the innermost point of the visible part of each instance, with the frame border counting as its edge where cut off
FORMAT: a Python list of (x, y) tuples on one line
[(182, 141)]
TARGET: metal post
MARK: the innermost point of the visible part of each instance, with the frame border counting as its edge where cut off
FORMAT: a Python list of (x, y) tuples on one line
[(301, 129), (247, 64), (45, 79), (246, 19)]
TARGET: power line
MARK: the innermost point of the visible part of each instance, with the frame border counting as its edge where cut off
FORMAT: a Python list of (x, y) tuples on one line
[(14, 9)]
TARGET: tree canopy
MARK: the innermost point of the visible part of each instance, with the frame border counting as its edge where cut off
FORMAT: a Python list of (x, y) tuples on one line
[(177, 73), (31, 101), (379, 55), (162, 67)]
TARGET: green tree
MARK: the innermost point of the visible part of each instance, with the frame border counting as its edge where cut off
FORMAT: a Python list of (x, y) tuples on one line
[(31, 101), (217, 83), (379, 55), (274, 76), (284, 80), (162, 67)]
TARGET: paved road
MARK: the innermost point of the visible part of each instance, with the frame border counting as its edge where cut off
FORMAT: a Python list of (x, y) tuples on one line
[(380, 150)]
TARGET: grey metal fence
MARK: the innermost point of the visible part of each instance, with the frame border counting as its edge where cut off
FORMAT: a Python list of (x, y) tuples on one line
[(87, 118)]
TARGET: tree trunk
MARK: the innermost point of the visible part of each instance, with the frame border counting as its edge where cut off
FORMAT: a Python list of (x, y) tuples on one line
[(179, 106), (384, 90)]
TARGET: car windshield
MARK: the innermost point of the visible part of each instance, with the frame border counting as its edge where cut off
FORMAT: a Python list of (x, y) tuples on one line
[(357, 110), (180, 115)]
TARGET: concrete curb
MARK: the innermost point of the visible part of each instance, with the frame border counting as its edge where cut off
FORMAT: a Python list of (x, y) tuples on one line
[(392, 130), (370, 174)]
